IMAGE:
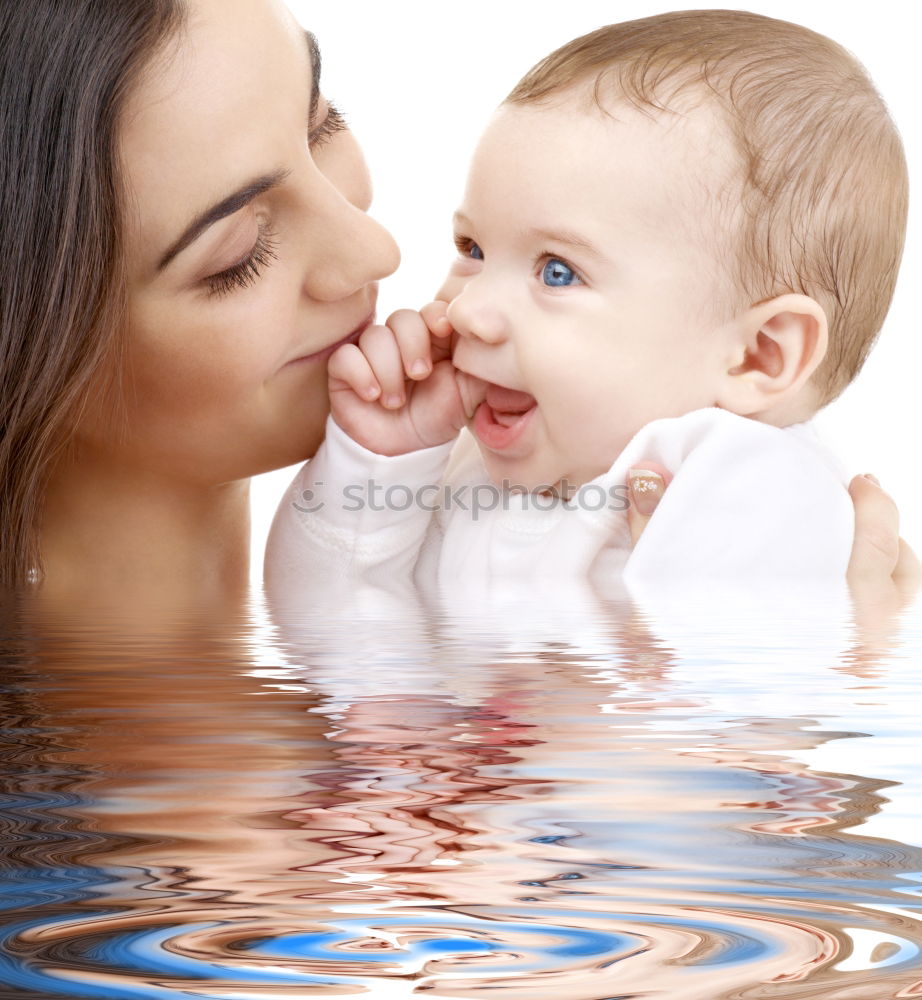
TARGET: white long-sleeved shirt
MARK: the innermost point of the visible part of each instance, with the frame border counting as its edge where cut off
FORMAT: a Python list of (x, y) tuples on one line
[(749, 504)]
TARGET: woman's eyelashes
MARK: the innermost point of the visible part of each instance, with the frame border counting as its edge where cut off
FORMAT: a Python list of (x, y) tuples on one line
[(333, 122), (248, 270)]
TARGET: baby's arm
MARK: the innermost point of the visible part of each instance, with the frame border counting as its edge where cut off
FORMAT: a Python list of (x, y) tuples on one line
[(352, 518), (357, 514), (396, 390)]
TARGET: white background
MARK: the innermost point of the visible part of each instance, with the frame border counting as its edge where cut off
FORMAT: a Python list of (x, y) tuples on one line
[(418, 80)]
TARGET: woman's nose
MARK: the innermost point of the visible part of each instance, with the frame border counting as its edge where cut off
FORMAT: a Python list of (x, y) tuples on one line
[(477, 312), (348, 250)]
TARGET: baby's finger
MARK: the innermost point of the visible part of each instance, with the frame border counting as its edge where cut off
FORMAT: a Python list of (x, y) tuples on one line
[(435, 316), (412, 337), (379, 346), (473, 392), (348, 366)]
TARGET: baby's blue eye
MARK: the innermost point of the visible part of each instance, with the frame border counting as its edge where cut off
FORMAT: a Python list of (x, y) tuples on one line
[(475, 252), (558, 274)]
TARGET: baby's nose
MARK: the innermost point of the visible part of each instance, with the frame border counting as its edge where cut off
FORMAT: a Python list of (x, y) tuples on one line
[(475, 314)]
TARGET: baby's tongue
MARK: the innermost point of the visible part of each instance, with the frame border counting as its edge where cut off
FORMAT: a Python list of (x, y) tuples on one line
[(508, 404)]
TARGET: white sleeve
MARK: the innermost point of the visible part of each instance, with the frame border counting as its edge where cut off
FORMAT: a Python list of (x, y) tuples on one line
[(351, 515), (748, 502)]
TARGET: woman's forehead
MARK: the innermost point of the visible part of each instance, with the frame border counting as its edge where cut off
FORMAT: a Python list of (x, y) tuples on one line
[(222, 104)]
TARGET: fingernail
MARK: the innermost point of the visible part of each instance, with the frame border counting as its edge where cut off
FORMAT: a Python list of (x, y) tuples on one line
[(646, 489), (372, 392), (392, 402), (874, 479), (419, 368)]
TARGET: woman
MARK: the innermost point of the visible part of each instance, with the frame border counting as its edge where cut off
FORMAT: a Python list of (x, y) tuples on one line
[(185, 240)]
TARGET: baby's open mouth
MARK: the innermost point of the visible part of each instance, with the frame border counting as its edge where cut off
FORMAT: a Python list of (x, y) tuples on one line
[(502, 416), (508, 404)]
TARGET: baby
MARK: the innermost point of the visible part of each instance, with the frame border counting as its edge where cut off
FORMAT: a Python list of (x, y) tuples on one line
[(678, 241)]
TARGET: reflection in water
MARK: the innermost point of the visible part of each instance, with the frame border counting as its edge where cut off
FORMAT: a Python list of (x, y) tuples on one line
[(401, 799)]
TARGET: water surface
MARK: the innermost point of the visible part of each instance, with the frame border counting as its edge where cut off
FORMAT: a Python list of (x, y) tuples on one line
[(562, 798)]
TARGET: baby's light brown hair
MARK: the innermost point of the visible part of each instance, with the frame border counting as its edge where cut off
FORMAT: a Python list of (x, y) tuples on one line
[(823, 182)]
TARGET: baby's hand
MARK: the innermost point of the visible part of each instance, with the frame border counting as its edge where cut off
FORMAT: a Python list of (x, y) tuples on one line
[(396, 390)]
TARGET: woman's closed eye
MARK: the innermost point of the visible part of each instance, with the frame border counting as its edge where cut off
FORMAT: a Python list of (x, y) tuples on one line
[(246, 271), (333, 122), (264, 251), (557, 273)]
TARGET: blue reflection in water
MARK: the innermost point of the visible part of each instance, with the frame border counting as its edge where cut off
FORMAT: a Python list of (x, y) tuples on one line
[(145, 952), (648, 812), (573, 942)]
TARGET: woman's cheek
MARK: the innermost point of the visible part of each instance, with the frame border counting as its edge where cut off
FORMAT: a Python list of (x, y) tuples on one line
[(186, 365), (250, 332)]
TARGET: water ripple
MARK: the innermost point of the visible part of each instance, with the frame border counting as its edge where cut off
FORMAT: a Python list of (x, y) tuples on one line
[(438, 949), (585, 810)]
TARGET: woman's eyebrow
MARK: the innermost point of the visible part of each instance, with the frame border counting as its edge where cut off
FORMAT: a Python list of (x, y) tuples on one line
[(227, 206), (252, 188)]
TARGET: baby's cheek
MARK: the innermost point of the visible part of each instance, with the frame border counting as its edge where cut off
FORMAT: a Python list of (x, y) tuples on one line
[(459, 274)]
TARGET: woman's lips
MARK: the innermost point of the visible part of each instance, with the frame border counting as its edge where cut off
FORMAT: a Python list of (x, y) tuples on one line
[(503, 416), (325, 352)]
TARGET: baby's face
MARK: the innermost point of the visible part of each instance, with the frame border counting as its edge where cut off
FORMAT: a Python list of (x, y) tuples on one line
[(586, 283)]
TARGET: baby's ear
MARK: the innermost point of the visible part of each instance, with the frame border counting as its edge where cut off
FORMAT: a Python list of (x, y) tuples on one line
[(776, 346)]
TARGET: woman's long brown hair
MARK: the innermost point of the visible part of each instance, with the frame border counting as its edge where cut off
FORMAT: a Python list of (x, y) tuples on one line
[(66, 68)]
